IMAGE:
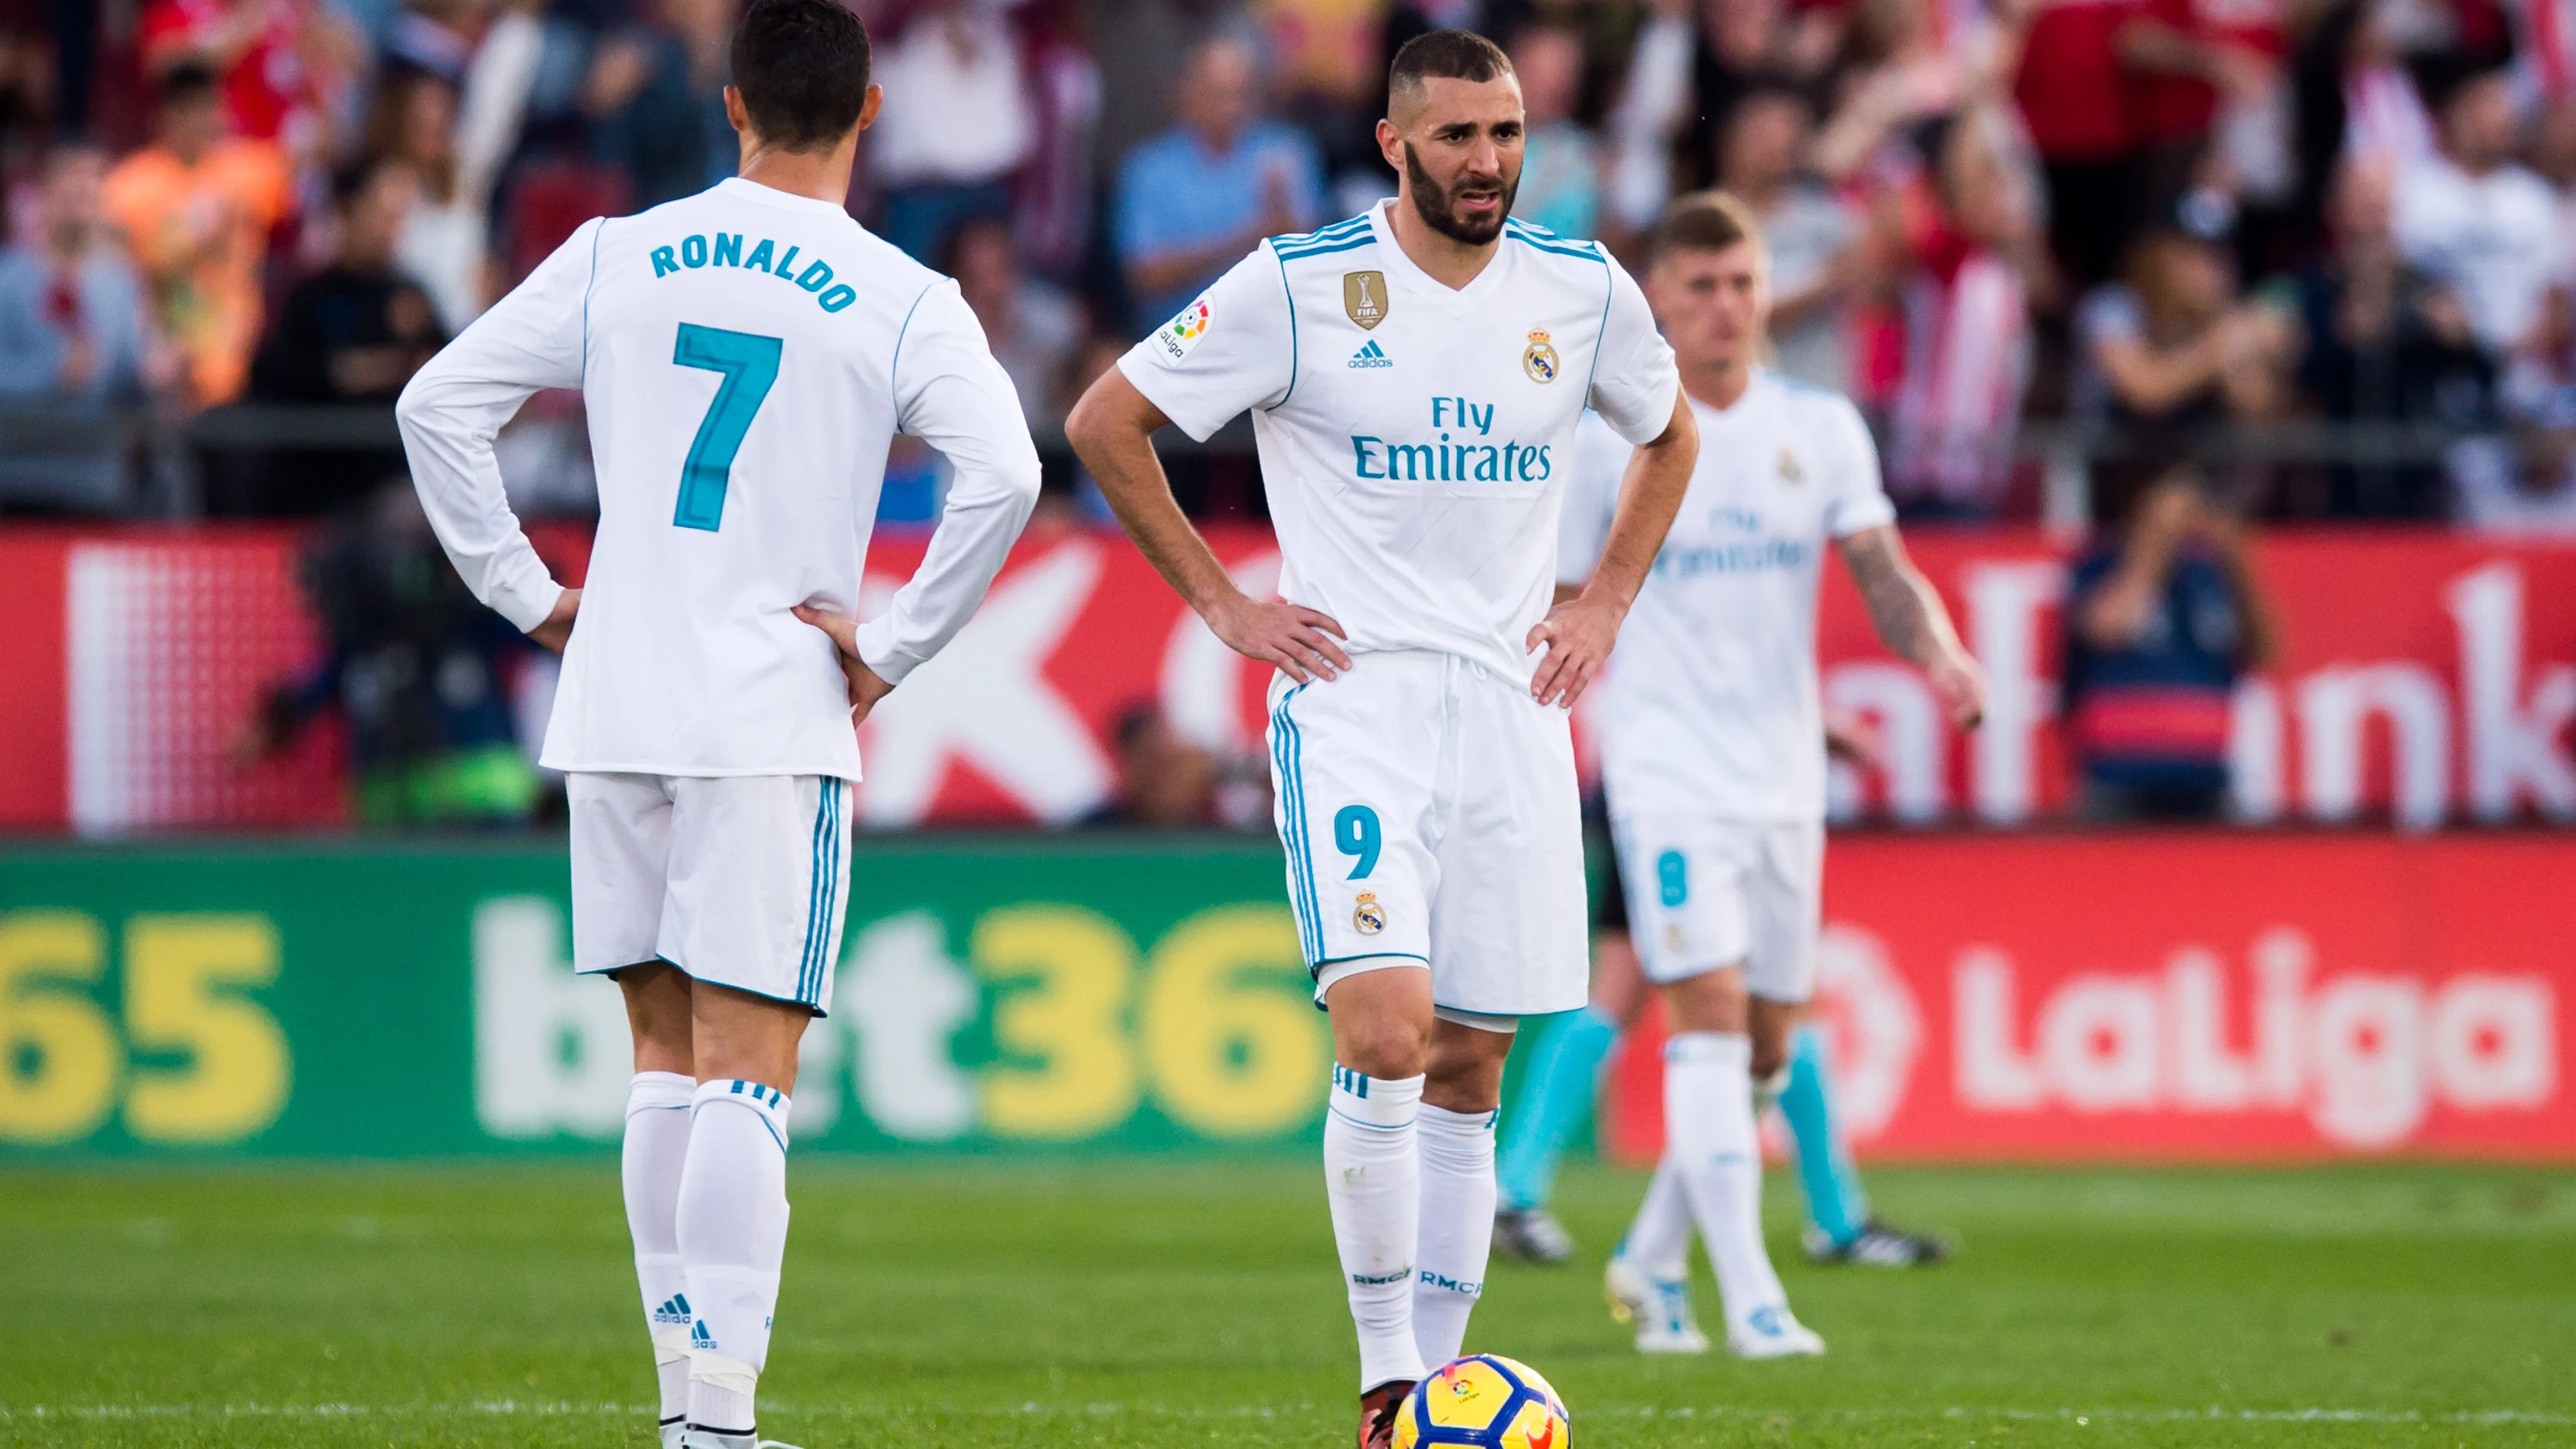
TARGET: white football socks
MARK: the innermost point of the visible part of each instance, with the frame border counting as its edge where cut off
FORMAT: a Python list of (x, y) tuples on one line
[(732, 1235), (1457, 1232), (657, 1143), (1709, 1144), (1373, 1179), (1659, 1240)]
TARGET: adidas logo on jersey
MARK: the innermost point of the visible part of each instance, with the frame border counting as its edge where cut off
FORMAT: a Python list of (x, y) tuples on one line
[(1371, 355)]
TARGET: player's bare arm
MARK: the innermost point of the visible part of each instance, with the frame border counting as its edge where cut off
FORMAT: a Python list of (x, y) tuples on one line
[(1112, 430), (1579, 632), (555, 631), (1912, 621)]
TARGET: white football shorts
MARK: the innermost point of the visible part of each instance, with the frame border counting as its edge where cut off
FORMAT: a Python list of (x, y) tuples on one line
[(1706, 893), (1429, 810), (738, 880)]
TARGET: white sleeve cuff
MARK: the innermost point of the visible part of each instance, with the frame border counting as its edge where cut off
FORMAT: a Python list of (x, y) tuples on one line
[(526, 602), (875, 643)]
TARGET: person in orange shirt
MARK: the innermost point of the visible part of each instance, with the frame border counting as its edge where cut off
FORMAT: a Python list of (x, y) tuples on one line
[(197, 206)]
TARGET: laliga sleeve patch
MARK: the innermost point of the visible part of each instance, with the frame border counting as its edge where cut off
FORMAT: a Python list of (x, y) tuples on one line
[(1178, 336)]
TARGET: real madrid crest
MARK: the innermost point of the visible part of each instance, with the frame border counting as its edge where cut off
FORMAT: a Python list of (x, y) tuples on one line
[(1368, 917), (1540, 360), (1364, 297), (1790, 472)]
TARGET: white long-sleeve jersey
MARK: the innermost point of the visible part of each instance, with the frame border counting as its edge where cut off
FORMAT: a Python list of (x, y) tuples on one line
[(745, 356)]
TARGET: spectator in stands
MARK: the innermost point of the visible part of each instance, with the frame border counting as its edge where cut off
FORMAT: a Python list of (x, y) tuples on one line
[(1966, 322), (73, 336), (353, 332), (1193, 200), (654, 99), (2524, 482), (1032, 327), (1910, 70), (419, 672), (282, 66), (197, 206), (2384, 344), (2160, 625), (358, 329), (2207, 74), (2071, 91), (2478, 222), (1812, 234), (959, 120), (2175, 346), (1164, 781), (1687, 71), (1560, 164), (456, 142)]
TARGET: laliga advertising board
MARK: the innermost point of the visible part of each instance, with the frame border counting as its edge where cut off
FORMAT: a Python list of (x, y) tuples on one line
[(2189, 995), (2179, 996)]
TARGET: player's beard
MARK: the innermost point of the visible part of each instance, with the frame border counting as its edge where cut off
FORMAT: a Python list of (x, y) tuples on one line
[(1437, 206)]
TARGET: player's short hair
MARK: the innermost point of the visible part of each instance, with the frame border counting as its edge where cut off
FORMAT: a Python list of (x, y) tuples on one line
[(188, 81), (1703, 221), (802, 68), (1444, 55)]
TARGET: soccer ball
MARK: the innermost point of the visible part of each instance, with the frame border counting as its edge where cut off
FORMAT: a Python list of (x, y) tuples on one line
[(1484, 1401)]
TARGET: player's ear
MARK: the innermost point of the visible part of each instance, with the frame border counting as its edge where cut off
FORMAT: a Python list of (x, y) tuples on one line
[(870, 104), (1390, 144), (737, 115)]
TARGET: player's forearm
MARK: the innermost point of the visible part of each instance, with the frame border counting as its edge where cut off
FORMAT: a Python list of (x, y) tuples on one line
[(986, 509), (1903, 606), (1649, 498), (448, 424), (1111, 430)]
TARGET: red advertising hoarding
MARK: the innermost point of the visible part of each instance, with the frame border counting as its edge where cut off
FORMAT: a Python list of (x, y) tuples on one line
[(2426, 676), (2188, 996)]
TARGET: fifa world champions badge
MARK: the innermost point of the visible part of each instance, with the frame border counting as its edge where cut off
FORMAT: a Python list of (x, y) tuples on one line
[(1367, 916), (1540, 360), (1364, 298)]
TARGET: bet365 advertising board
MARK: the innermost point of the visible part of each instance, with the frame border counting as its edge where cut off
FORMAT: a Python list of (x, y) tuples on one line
[(2167, 997)]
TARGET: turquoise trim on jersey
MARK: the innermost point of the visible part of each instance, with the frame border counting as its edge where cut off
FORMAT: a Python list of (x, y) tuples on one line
[(1288, 751), (1301, 253), (1548, 241), (1609, 293), (586, 289), (894, 390), (1335, 232), (1291, 294)]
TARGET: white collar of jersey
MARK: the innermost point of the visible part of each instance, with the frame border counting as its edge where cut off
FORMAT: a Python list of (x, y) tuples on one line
[(1382, 224), (1708, 412), (744, 190)]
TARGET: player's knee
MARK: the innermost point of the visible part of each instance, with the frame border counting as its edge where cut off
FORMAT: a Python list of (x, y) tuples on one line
[(1385, 1046)]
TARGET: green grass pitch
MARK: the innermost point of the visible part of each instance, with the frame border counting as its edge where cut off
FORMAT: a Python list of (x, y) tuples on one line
[(964, 1305)]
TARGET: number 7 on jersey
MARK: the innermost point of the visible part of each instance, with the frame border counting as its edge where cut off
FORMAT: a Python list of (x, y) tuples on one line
[(750, 365)]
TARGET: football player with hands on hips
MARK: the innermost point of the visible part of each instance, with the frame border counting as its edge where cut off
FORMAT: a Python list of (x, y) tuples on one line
[(1414, 376), (1713, 741), (745, 355)]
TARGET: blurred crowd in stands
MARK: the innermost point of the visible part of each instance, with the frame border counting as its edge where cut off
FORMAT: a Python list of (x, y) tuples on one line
[(2015, 231), (2160, 217)]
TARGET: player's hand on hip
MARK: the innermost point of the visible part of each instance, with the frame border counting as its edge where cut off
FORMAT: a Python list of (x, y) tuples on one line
[(866, 685), (1299, 640), (1961, 686), (555, 631), (1578, 634)]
